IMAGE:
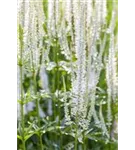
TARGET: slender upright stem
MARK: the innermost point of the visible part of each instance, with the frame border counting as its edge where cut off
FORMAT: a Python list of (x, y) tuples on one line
[(58, 88), (22, 110), (76, 135), (40, 140), (84, 142), (76, 138), (37, 110), (21, 83), (23, 145)]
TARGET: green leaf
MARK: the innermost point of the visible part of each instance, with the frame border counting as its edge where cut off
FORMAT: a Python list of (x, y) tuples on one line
[(19, 101), (28, 136), (54, 128), (19, 137)]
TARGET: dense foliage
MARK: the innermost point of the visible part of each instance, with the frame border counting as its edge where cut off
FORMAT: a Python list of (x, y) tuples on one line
[(67, 75)]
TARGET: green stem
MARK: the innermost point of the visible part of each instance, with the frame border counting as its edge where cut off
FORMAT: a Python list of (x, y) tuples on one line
[(84, 142), (76, 138), (23, 142), (58, 88), (41, 144), (37, 110), (21, 83), (22, 110), (76, 135), (54, 85)]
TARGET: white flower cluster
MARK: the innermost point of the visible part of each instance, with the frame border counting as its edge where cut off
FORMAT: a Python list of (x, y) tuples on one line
[(88, 21), (111, 70), (30, 22), (30, 18)]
